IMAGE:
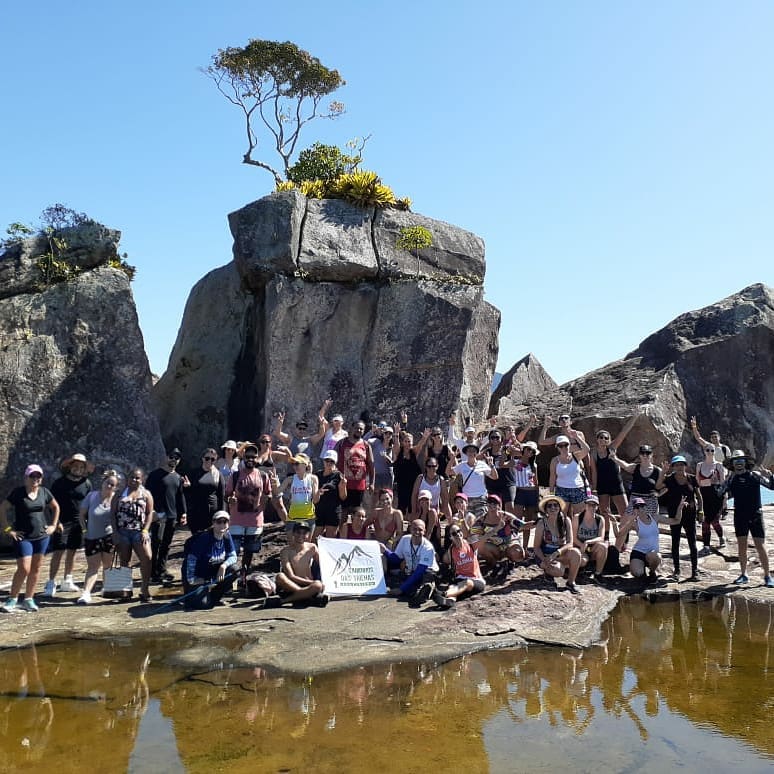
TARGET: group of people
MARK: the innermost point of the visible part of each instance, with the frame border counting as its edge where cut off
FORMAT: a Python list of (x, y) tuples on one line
[(469, 503)]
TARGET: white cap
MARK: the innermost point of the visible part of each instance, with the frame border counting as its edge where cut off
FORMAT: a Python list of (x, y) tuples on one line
[(331, 454), (561, 439)]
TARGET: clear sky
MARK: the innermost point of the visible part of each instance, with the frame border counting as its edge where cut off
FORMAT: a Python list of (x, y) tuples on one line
[(615, 156)]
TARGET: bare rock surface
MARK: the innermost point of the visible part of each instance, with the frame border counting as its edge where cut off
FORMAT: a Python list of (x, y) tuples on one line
[(73, 371), (321, 303), (350, 632)]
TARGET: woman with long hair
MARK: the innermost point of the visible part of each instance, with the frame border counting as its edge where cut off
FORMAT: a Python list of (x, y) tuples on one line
[(405, 467), (205, 493), (554, 542)]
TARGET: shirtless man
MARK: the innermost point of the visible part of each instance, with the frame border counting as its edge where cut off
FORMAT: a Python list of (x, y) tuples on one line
[(564, 429), (295, 579), (386, 520)]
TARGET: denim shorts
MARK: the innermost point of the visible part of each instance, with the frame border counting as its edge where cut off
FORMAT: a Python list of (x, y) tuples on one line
[(572, 495), (129, 537)]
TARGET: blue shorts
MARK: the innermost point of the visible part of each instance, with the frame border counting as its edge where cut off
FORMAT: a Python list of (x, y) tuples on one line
[(129, 537), (247, 539), (30, 547), (572, 495)]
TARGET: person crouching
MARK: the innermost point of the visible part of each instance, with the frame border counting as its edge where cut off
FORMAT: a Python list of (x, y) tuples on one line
[(207, 560)]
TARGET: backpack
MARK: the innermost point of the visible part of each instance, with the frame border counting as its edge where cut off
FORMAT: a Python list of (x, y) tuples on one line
[(259, 585)]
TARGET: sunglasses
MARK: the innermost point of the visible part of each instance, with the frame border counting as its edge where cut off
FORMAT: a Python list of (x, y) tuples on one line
[(209, 459), (221, 521), (603, 437), (709, 451), (455, 533), (646, 453), (564, 416), (431, 466), (562, 445), (35, 475), (174, 457), (552, 505), (263, 442)]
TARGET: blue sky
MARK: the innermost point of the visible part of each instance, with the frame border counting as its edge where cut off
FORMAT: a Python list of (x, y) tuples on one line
[(615, 156)]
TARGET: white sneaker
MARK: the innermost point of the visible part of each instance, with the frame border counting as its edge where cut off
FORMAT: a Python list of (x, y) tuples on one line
[(68, 585), (84, 599), (50, 589), (10, 606)]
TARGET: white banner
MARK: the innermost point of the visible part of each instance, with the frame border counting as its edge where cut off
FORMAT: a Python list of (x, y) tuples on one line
[(351, 567)]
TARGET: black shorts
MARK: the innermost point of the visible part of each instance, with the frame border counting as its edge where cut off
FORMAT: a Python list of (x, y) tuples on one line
[(527, 498), (752, 524), (71, 537), (103, 545), (354, 499), (637, 555), (610, 488), (329, 518)]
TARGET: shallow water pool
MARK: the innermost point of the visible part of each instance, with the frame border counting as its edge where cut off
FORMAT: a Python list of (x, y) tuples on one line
[(677, 685)]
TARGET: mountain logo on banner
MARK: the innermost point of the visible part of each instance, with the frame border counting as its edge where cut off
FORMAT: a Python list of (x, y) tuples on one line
[(345, 561)]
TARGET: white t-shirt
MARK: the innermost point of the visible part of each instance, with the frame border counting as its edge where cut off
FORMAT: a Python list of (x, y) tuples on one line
[(473, 478), (413, 555)]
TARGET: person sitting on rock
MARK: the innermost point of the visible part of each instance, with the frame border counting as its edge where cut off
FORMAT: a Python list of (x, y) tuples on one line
[(296, 580), (415, 556), (428, 516), (645, 554), (387, 521), (744, 487), (589, 537), (208, 559), (460, 517), (495, 536), (357, 528), (554, 542), (468, 579)]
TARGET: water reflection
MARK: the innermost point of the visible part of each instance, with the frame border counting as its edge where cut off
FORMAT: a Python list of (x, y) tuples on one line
[(670, 684)]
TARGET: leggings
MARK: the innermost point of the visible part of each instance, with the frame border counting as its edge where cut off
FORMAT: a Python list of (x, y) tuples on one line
[(689, 524), (712, 506)]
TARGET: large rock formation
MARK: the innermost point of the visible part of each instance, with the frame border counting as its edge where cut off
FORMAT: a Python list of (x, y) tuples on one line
[(73, 370), (525, 380), (319, 302), (715, 363)]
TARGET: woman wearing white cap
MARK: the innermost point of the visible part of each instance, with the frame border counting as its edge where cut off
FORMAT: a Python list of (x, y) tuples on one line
[(35, 518), (567, 478), (681, 485)]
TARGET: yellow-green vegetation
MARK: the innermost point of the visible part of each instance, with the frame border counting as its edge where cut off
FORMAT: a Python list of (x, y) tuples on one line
[(361, 188)]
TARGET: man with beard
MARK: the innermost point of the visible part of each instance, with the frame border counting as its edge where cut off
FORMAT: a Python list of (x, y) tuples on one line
[(69, 491), (744, 486), (166, 487), (415, 555), (246, 493), (356, 463)]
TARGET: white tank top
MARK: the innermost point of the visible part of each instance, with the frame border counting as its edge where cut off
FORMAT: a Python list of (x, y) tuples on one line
[(568, 475), (647, 536), (434, 489)]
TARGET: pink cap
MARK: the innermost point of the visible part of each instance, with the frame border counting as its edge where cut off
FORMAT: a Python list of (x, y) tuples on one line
[(30, 469)]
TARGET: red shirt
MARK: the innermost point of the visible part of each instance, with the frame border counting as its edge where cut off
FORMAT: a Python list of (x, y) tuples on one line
[(353, 463), (465, 561)]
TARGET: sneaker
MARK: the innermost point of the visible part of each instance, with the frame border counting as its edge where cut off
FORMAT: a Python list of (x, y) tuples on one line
[(742, 579), (84, 599), (69, 585), (30, 606), (768, 582), (572, 588), (423, 594), (439, 598), (50, 589), (693, 578), (704, 551), (10, 606), (321, 600), (722, 543)]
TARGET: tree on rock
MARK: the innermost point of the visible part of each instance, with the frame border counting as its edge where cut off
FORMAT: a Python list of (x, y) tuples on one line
[(278, 86)]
